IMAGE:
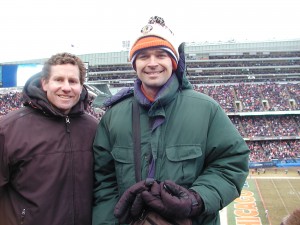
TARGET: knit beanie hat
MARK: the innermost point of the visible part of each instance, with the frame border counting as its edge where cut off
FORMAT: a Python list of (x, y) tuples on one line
[(155, 34)]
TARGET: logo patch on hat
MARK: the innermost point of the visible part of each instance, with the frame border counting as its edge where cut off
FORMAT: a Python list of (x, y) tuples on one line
[(146, 29)]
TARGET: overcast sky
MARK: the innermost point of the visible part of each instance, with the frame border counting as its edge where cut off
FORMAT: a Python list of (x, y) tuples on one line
[(32, 29)]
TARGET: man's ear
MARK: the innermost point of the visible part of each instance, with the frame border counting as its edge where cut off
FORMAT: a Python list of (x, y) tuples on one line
[(44, 84)]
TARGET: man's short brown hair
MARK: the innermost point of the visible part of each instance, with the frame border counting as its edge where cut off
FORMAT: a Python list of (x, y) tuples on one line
[(61, 59)]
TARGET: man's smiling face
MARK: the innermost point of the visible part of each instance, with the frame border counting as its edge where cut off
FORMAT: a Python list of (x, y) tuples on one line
[(63, 87), (154, 68)]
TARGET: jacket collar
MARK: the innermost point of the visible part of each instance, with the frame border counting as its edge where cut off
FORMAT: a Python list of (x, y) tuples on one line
[(156, 109), (166, 94)]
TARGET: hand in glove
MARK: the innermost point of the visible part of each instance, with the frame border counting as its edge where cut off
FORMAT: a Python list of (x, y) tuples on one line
[(131, 205), (173, 201)]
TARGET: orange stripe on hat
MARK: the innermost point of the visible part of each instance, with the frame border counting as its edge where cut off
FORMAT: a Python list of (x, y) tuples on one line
[(153, 41)]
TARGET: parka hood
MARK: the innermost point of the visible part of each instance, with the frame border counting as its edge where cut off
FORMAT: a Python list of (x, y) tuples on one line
[(35, 97), (181, 69)]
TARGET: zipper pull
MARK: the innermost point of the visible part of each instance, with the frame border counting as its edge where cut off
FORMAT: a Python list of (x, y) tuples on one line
[(68, 124), (23, 213)]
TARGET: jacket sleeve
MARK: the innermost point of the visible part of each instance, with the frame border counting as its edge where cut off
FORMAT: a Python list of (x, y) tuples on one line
[(105, 183), (226, 161)]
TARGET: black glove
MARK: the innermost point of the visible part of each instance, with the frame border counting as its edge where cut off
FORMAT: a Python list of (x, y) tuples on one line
[(173, 201), (131, 205)]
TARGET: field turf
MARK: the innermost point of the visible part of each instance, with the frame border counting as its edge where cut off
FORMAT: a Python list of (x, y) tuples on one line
[(266, 198)]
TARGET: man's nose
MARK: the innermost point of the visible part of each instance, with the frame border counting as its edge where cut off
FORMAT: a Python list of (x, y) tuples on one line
[(66, 86), (152, 61)]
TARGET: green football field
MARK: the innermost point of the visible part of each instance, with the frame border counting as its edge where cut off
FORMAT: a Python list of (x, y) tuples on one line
[(266, 198)]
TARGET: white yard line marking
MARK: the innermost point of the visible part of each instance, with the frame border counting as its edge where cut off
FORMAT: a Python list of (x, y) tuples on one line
[(296, 192), (287, 212)]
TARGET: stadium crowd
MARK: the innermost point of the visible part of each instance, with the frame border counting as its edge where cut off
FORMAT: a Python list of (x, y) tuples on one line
[(249, 97), (10, 101), (278, 132), (253, 97), (256, 97)]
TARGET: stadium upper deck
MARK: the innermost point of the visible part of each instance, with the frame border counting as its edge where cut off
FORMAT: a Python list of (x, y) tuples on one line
[(200, 51), (229, 62)]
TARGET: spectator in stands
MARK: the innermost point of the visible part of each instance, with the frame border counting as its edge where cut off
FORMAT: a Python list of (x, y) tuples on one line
[(46, 157), (9, 102), (292, 219), (191, 144)]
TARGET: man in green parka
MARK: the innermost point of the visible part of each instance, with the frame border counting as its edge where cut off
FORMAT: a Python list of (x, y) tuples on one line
[(188, 143)]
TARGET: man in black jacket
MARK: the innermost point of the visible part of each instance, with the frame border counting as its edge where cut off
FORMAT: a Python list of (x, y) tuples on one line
[(46, 158)]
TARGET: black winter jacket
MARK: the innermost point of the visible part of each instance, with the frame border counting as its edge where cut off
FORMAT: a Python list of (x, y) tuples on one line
[(46, 162)]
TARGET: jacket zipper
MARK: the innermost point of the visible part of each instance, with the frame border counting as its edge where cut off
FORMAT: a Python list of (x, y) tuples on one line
[(23, 213), (69, 131), (68, 124)]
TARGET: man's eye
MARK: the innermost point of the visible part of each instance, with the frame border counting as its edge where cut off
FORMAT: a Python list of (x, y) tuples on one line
[(142, 56), (73, 81), (162, 55)]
